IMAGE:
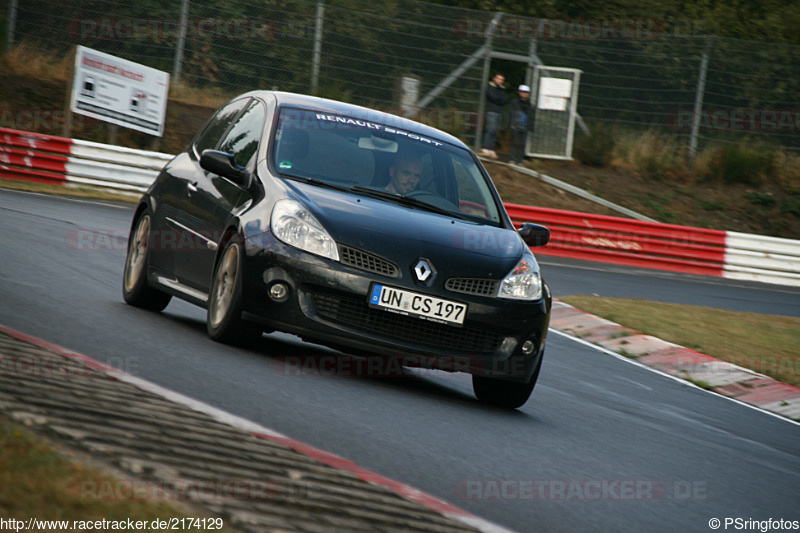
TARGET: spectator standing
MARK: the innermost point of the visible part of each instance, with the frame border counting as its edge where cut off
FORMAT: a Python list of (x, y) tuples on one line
[(520, 119), (496, 99)]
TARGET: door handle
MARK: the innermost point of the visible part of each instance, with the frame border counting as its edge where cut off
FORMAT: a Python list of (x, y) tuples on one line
[(192, 188)]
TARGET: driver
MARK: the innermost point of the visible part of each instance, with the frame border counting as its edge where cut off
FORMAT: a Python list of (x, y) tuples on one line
[(405, 173)]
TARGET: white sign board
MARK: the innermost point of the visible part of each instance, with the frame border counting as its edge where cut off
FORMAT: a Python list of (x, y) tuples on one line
[(553, 93), (119, 91), (553, 103)]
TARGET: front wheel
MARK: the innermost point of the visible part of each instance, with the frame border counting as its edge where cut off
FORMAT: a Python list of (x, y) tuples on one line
[(135, 290), (502, 393), (224, 318)]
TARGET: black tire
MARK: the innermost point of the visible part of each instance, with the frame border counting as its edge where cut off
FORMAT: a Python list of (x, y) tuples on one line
[(224, 317), (135, 289), (503, 393)]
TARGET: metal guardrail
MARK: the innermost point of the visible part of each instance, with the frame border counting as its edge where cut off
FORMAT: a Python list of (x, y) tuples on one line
[(624, 241), (46, 158), (665, 246), (760, 258), (642, 243)]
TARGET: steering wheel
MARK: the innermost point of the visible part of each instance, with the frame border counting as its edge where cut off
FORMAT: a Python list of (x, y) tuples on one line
[(433, 199)]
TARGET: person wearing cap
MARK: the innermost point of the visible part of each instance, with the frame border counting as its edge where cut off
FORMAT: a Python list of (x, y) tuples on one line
[(520, 119), (496, 99)]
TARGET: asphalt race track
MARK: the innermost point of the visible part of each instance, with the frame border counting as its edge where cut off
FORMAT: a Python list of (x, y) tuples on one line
[(602, 445)]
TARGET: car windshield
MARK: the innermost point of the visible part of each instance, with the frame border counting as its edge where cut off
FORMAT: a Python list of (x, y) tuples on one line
[(384, 161)]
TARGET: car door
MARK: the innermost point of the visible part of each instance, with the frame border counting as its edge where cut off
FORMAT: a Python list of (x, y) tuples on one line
[(212, 200), (184, 229)]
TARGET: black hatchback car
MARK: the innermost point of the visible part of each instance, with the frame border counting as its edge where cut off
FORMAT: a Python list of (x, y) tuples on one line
[(348, 227)]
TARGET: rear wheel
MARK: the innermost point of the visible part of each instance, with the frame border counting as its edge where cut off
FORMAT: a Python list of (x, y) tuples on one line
[(134, 280), (224, 318), (502, 393)]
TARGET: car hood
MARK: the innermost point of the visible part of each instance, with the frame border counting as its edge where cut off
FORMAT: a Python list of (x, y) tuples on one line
[(407, 233)]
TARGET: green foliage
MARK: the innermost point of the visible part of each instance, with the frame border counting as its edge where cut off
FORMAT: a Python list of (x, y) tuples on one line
[(652, 152), (3, 31), (711, 205), (761, 198), (336, 90), (791, 205), (742, 163), (663, 214), (596, 149)]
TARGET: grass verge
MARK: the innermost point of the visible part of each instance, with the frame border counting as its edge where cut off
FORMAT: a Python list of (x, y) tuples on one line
[(767, 344), (38, 481)]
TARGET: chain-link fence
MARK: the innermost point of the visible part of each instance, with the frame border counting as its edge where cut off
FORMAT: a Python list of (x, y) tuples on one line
[(639, 73)]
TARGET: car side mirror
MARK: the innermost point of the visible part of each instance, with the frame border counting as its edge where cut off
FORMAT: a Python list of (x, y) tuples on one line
[(222, 164), (534, 234)]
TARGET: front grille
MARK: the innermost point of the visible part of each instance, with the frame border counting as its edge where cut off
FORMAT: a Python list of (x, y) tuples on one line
[(476, 286), (367, 261), (353, 311)]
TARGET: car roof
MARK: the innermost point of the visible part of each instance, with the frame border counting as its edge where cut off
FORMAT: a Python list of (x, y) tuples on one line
[(314, 103)]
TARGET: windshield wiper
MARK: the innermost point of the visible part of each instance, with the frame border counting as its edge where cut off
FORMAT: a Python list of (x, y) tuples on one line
[(405, 200), (315, 181)]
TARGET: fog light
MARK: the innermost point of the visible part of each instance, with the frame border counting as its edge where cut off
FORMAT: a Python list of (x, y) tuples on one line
[(527, 347), (279, 292)]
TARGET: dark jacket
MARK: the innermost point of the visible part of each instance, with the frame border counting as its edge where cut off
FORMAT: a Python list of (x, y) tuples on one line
[(496, 98), (519, 114)]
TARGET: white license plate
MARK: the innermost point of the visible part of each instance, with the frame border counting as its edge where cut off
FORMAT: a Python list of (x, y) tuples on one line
[(417, 304)]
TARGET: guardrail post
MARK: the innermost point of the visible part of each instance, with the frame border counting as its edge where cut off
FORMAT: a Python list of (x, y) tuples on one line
[(67, 129), (12, 20), (487, 63), (698, 99), (317, 58), (184, 21)]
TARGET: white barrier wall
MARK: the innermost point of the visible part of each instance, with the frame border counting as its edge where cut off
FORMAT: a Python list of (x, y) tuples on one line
[(113, 166), (760, 258)]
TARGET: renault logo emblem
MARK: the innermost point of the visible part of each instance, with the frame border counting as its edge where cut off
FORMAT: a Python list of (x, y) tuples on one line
[(423, 271)]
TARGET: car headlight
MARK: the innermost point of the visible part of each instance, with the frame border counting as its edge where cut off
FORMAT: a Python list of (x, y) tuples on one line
[(293, 224), (523, 283)]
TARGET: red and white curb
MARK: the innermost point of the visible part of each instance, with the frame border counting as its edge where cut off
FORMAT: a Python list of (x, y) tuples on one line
[(729, 380), (405, 491)]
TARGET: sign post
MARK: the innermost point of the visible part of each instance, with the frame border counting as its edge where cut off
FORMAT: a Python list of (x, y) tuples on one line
[(119, 91), (555, 101)]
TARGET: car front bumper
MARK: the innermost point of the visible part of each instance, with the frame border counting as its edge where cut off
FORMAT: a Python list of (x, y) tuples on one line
[(327, 303)]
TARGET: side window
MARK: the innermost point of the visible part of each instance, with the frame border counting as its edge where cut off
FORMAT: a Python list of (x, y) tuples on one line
[(473, 198), (242, 139), (217, 126)]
